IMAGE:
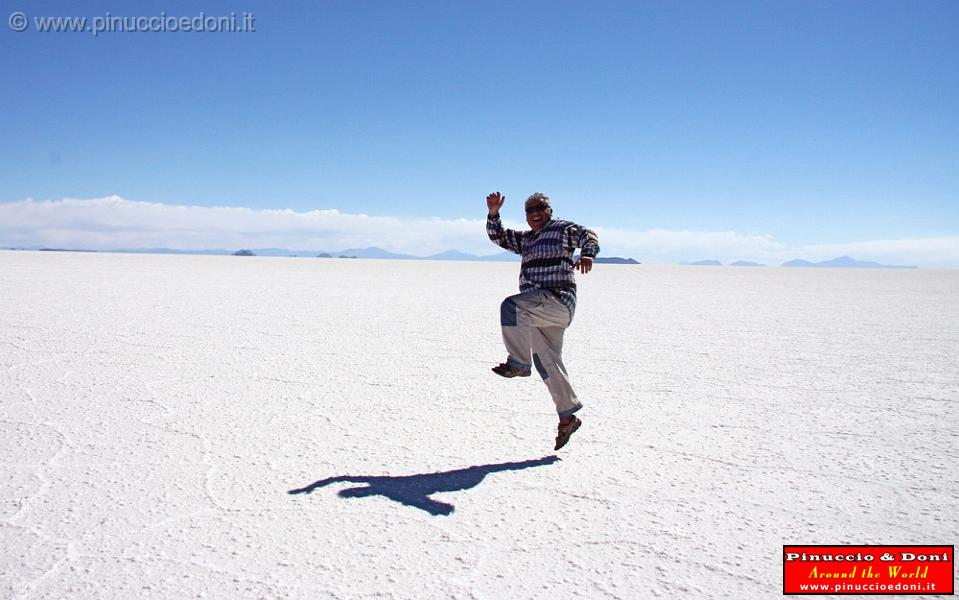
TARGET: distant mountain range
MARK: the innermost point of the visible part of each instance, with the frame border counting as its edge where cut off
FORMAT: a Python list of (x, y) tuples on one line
[(845, 262), (615, 260), (842, 262), (746, 263), (371, 252), (703, 263)]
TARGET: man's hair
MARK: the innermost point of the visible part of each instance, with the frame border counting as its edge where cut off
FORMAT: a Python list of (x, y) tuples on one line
[(539, 196)]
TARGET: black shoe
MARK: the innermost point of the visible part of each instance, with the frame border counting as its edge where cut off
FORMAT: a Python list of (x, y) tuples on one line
[(565, 431), (504, 370)]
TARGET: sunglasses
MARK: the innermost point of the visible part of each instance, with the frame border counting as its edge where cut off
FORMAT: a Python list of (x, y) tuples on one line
[(536, 208)]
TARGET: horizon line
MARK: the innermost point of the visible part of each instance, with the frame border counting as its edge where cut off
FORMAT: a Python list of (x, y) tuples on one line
[(468, 257)]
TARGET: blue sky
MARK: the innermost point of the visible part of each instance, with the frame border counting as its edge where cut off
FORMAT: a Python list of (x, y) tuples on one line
[(806, 125)]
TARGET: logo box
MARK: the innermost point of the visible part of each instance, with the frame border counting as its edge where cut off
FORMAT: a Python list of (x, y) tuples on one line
[(869, 570)]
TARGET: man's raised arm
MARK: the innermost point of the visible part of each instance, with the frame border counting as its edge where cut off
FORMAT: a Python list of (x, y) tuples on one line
[(507, 239)]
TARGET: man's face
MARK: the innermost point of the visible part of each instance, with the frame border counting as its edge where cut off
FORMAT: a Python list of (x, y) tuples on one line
[(538, 213)]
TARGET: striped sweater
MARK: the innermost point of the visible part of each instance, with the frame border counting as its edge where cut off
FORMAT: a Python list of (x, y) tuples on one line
[(547, 254)]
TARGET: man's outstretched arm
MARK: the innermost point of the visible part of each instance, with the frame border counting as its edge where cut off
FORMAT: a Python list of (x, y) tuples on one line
[(588, 241)]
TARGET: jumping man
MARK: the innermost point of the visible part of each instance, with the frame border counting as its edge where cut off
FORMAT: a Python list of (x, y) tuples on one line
[(535, 320)]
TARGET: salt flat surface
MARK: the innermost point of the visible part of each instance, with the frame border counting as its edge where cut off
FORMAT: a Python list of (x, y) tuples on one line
[(157, 411)]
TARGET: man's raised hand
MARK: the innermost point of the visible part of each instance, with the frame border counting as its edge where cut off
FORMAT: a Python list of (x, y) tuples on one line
[(494, 202)]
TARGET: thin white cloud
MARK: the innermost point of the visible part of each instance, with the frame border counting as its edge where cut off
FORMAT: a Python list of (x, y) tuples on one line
[(114, 222), (677, 245), (927, 252), (659, 245)]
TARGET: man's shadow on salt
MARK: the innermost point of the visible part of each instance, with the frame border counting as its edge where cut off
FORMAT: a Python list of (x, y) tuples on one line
[(415, 490)]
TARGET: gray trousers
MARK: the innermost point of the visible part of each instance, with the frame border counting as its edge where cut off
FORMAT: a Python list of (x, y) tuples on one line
[(533, 326)]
